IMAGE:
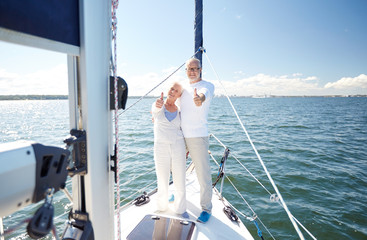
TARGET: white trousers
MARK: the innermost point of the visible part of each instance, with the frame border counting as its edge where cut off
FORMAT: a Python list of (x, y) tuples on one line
[(198, 148), (169, 157)]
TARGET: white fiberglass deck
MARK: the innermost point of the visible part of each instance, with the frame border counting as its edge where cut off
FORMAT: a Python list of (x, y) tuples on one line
[(219, 225)]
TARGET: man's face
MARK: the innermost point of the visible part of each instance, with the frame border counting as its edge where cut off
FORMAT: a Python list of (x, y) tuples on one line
[(193, 71)]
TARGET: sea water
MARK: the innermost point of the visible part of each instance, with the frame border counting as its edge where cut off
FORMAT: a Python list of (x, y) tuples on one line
[(315, 149)]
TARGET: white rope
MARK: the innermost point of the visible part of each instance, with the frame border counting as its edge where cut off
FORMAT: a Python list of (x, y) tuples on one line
[(261, 161), (114, 7), (253, 176), (304, 228), (224, 146), (68, 195)]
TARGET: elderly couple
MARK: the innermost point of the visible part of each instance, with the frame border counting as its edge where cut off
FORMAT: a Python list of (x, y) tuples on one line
[(181, 126)]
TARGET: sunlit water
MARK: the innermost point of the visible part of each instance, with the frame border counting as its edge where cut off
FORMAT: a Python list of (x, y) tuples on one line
[(314, 148)]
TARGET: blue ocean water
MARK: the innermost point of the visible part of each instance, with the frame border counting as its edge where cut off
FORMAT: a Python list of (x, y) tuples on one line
[(315, 149)]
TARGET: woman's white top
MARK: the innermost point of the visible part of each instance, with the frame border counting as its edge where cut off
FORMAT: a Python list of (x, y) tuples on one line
[(166, 131)]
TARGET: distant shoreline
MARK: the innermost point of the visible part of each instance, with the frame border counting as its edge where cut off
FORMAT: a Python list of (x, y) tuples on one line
[(64, 97), (33, 97)]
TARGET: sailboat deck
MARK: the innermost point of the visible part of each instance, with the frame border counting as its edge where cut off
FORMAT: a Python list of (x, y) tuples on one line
[(219, 225)]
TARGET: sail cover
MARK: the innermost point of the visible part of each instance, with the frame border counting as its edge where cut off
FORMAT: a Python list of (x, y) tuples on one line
[(56, 20), (198, 28)]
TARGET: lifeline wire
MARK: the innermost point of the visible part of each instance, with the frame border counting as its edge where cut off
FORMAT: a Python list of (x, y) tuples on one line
[(261, 161)]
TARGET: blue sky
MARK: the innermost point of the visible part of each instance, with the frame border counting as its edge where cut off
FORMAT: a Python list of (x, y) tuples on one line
[(285, 47)]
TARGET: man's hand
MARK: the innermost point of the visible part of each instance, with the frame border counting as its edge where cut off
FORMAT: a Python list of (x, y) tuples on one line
[(159, 102), (198, 99)]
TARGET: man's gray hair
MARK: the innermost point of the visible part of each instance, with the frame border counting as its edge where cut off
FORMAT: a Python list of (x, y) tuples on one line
[(192, 60)]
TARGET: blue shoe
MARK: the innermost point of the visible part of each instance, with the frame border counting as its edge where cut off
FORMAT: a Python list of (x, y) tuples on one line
[(171, 198), (204, 217)]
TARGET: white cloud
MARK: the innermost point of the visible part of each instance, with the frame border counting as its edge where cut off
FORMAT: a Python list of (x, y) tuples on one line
[(349, 83), (261, 84), (142, 84), (291, 85), (52, 81)]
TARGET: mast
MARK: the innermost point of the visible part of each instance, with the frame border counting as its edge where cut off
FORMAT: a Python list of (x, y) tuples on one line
[(93, 192), (198, 28)]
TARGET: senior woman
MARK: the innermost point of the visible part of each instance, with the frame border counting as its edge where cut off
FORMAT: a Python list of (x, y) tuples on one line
[(169, 150)]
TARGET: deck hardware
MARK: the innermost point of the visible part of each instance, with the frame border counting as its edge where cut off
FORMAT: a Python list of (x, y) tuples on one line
[(141, 200), (33, 169), (42, 222), (78, 227), (77, 144), (221, 170), (113, 159), (122, 91), (50, 169), (184, 222), (230, 213)]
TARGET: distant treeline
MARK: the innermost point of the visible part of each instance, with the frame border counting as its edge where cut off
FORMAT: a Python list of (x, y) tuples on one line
[(32, 97)]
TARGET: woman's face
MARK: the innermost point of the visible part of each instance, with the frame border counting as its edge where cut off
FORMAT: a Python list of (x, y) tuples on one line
[(175, 91)]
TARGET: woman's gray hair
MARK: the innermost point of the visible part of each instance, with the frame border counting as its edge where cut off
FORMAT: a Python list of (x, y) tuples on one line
[(179, 84)]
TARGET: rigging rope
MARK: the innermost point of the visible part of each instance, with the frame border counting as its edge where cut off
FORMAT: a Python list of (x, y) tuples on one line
[(242, 165), (258, 156), (249, 206), (271, 195), (114, 7)]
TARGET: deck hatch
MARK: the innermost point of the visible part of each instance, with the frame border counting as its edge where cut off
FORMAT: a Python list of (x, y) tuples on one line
[(157, 227)]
